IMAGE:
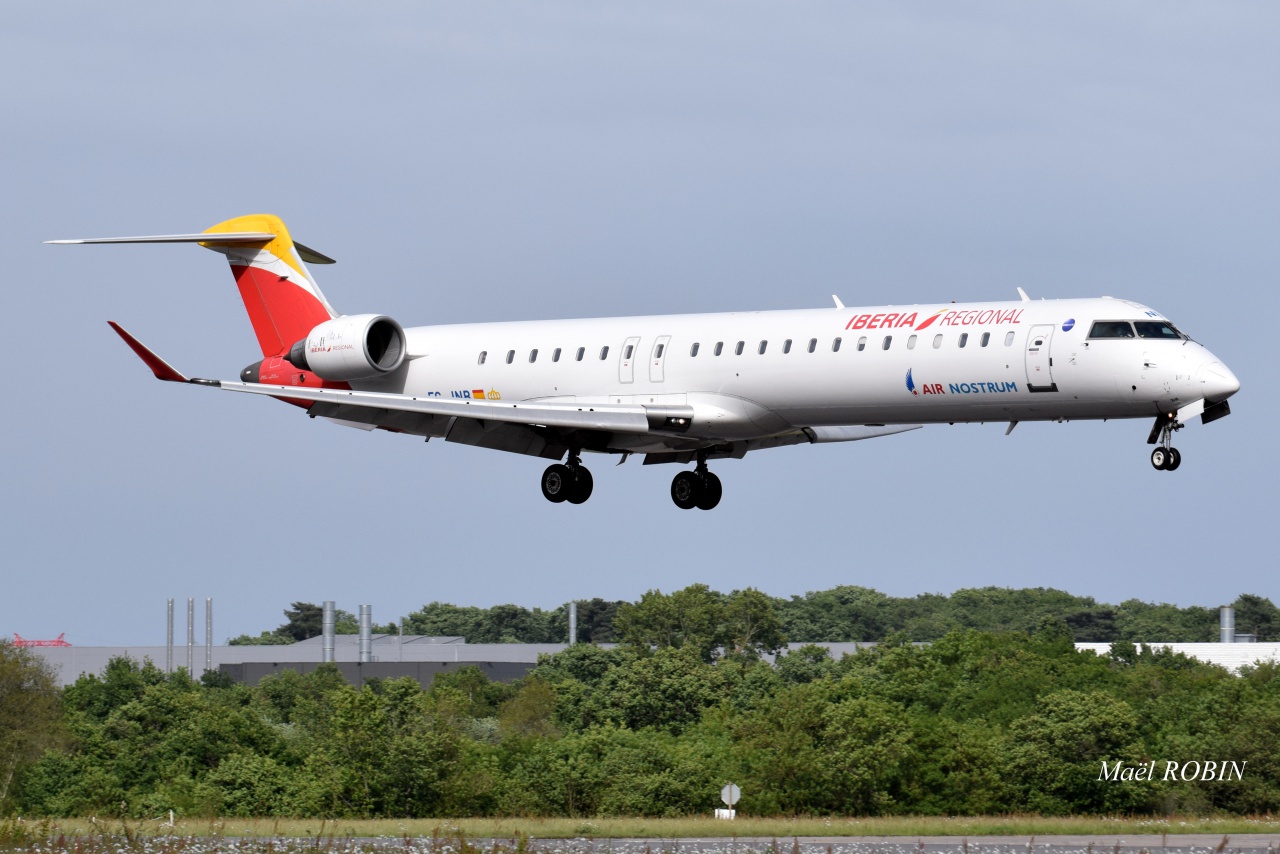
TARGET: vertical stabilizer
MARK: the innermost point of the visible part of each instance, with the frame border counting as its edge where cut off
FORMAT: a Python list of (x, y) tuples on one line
[(282, 299)]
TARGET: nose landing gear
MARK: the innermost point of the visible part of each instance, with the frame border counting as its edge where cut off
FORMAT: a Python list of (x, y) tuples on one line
[(570, 481), (1165, 457), (698, 488)]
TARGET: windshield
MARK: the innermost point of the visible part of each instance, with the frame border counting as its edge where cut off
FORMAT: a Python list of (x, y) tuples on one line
[(1157, 329)]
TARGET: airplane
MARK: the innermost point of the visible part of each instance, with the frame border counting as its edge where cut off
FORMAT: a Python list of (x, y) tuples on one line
[(699, 387)]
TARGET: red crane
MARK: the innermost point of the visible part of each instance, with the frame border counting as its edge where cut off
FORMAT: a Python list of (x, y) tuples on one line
[(19, 640)]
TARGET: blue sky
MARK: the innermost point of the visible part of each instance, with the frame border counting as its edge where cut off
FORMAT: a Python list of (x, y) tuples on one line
[(503, 161)]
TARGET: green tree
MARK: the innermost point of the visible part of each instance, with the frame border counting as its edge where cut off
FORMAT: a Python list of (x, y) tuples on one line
[(30, 712), (1055, 755), (692, 618), (752, 625)]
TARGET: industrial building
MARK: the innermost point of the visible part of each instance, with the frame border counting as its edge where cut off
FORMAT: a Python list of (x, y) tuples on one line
[(367, 656)]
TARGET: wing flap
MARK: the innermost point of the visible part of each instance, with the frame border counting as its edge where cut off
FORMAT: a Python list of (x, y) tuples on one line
[(611, 418)]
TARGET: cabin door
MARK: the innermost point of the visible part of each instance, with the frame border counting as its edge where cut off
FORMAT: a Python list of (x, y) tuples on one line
[(627, 360), (657, 357), (1039, 361)]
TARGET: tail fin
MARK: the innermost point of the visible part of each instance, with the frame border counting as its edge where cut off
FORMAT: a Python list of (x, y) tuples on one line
[(282, 299)]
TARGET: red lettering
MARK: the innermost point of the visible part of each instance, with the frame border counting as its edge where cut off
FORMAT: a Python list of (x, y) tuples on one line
[(948, 319), (908, 320), (889, 319), (849, 325), (860, 321), (875, 322), (985, 317)]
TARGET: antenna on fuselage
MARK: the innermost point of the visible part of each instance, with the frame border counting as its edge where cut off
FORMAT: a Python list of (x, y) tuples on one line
[(837, 299), (1024, 296)]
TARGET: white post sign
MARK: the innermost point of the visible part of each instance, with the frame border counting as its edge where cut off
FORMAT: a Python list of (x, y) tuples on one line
[(729, 794)]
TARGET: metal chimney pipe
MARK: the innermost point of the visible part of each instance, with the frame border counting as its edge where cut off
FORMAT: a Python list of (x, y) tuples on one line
[(573, 623), (168, 641), (366, 634), (327, 632), (208, 633), (191, 633), (1227, 624)]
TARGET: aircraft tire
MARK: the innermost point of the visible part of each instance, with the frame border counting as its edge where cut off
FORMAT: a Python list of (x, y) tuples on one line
[(557, 483), (711, 492), (582, 485), (1160, 459), (1175, 459), (686, 488)]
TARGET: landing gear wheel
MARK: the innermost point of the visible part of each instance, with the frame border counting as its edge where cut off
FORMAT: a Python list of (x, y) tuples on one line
[(580, 491), (686, 489), (1160, 458), (1175, 459), (711, 492), (557, 483)]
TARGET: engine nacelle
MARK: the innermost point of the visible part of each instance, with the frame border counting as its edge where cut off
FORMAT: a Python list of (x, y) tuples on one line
[(357, 347)]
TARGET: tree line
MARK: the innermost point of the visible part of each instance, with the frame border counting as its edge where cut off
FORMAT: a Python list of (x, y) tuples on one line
[(845, 613), (976, 722)]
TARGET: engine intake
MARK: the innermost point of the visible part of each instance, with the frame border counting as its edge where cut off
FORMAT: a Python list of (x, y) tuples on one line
[(361, 346)]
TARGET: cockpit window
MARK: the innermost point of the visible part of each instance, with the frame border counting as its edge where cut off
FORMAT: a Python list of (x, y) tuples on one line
[(1157, 329), (1111, 329)]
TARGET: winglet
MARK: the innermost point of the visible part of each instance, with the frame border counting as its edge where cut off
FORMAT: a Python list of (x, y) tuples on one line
[(162, 369)]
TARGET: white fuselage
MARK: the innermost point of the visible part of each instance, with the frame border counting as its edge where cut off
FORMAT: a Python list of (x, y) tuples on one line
[(756, 374)]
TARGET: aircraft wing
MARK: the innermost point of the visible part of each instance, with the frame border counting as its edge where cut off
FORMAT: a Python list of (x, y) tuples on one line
[(611, 417), (536, 428)]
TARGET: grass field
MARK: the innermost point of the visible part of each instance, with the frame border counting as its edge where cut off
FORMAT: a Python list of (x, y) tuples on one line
[(655, 828)]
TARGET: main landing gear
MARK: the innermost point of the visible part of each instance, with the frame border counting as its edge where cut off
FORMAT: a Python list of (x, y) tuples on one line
[(1165, 457), (698, 488), (570, 481)]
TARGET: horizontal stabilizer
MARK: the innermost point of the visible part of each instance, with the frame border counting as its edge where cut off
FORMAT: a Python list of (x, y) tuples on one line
[(217, 239)]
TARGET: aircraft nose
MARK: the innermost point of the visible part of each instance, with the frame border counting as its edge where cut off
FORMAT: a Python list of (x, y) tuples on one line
[(1217, 382)]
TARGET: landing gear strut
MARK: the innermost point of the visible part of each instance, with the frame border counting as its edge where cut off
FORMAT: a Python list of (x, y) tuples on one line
[(569, 481), (698, 488), (1165, 457)]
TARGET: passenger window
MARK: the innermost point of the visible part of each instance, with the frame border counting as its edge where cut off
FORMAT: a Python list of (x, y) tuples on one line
[(484, 354), (511, 355), (835, 345), (964, 339), (937, 341), (582, 351), (555, 355), (986, 338), (813, 344), (1008, 339), (763, 344), (862, 343), (888, 339), (533, 356), (719, 347), (1111, 329), (911, 343), (627, 353), (693, 351), (657, 353), (786, 346), (737, 351), (604, 352)]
